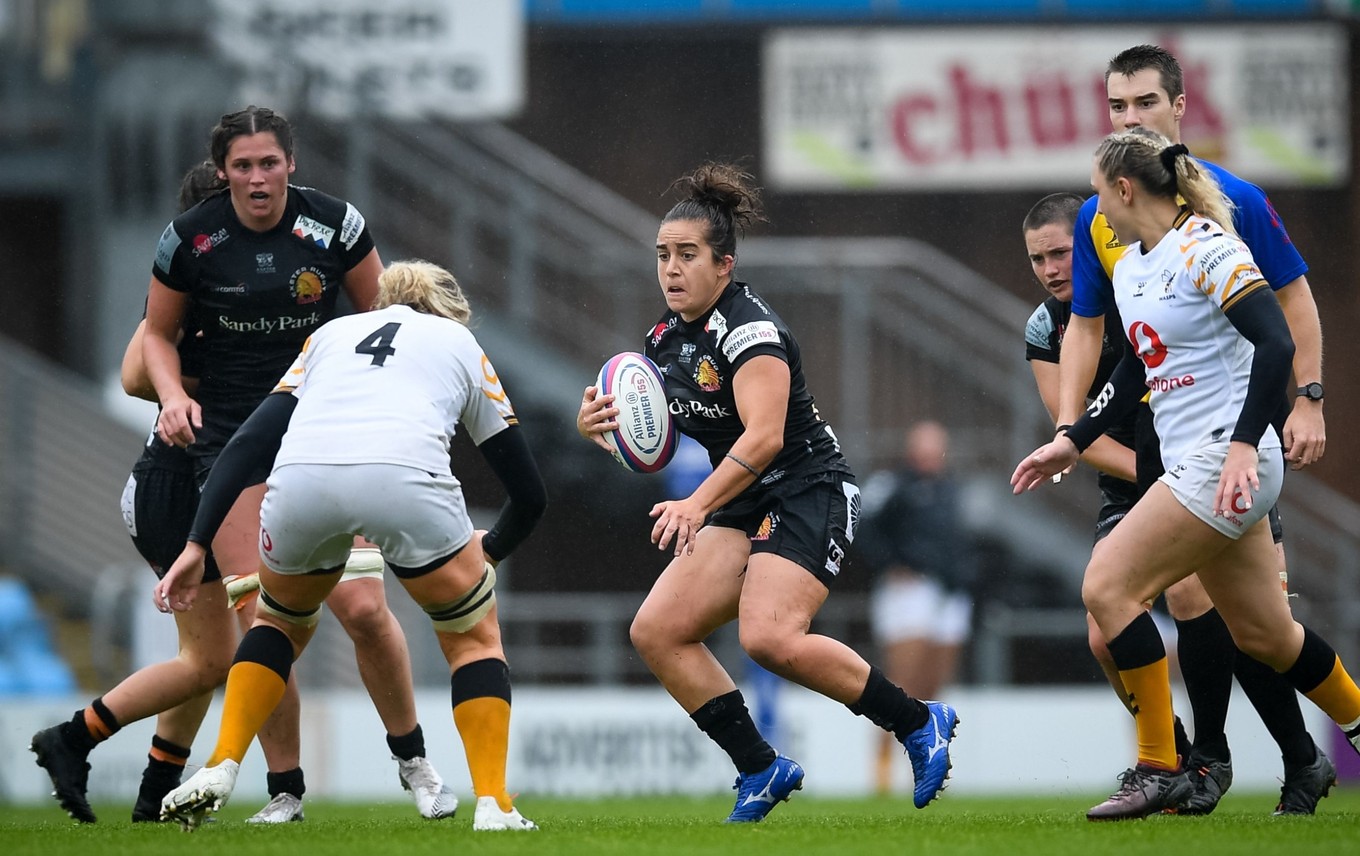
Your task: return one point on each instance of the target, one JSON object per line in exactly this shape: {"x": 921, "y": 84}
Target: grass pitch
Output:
{"x": 968, "y": 826}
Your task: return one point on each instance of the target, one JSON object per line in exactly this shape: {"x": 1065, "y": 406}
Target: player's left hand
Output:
{"x": 1043, "y": 463}
{"x": 680, "y": 519}
{"x": 1305, "y": 434}
{"x": 1239, "y": 480}
{"x": 176, "y": 591}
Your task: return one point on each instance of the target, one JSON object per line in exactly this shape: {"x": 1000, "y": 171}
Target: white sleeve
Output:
{"x": 487, "y": 410}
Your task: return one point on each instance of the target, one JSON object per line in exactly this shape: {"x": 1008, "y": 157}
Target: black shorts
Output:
{"x": 1148, "y": 450}
{"x": 159, "y": 503}
{"x": 809, "y": 520}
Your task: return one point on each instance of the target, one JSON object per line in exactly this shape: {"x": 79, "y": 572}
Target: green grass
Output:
{"x": 956, "y": 825}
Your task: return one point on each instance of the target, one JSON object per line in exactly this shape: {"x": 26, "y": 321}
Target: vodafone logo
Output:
{"x": 1239, "y": 503}
{"x": 265, "y": 541}
{"x": 1147, "y": 344}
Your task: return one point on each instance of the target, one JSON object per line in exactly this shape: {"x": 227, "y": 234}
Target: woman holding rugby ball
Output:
{"x": 761, "y": 538}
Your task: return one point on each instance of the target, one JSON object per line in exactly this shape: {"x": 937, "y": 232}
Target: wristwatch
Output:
{"x": 1311, "y": 391}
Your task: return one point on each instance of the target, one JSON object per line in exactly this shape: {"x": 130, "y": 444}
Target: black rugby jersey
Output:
{"x": 698, "y": 360}
{"x": 1043, "y": 342}
{"x": 257, "y": 296}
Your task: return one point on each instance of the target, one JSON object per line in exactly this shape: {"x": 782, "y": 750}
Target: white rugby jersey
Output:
{"x": 1172, "y": 299}
{"x": 390, "y": 387}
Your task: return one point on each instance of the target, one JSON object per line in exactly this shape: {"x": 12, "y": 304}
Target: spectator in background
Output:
{"x": 922, "y": 612}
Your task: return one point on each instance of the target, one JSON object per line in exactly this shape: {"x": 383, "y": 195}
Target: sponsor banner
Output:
{"x": 1024, "y": 107}
{"x": 404, "y": 59}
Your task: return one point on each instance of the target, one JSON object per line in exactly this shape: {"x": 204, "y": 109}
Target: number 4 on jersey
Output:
{"x": 378, "y": 344}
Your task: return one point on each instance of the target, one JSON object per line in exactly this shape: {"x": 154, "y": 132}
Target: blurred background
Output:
{"x": 527, "y": 146}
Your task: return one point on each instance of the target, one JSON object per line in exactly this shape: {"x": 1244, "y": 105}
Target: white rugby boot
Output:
{"x": 205, "y": 792}
{"x": 490, "y": 818}
{"x": 283, "y": 808}
{"x": 434, "y": 799}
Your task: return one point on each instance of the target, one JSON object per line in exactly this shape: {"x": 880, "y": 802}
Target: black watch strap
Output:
{"x": 1311, "y": 391}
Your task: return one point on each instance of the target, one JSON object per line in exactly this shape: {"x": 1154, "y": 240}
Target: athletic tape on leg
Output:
{"x": 462, "y": 615}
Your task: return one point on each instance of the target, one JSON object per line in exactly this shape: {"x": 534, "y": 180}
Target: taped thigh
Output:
{"x": 268, "y": 605}
{"x": 461, "y": 615}
{"x": 363, "y": 562}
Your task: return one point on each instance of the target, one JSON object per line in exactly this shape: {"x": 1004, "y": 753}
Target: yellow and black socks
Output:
{"x": 888, "y": 706}
{"x": 255, "y": 686}
{"x": 728, "y": 723}
{"x": 1319, "y": 675}
{"x": 480, "y": 693}
{"x": 90, "y": 727}
{"x": 1140, "y": 656}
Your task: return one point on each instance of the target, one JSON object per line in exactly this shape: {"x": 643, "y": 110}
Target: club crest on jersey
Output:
{"x": 307, "y": 285}
{"x": 264, "y": 262}
{"x": 706, "y": 375}
{"x": 309, "y": 230}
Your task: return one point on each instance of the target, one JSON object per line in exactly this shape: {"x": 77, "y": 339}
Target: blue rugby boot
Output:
{"x": 757, "y": 793}
{"x": 928, "y": 749}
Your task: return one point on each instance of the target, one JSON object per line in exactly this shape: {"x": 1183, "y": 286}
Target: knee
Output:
{"x": 646, "y": 634}
{"x": 768, "y": 648}
{"x": 1256, "y": 642}
{"x": 1187, "y": 599}
{"x": 1097, "y": 598}
{"x": 364, "y": 615}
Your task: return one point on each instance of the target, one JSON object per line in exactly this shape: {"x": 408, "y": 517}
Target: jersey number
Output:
{"x": 378, "y": 344}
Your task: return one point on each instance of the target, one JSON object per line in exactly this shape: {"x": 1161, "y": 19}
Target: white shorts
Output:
{"x": 311, "y": 513}
{"x": 913, "y": 607}
{"x": 1194, "y": 481}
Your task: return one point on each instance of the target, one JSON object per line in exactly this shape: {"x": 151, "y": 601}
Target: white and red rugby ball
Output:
{"x": 646, "y": 437}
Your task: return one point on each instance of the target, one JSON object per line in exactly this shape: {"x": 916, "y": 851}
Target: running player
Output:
{"x": 370, "y": 407}
{"x": 1146, "y": 88}
{"x": 762, "y": 538}
{"x": 1212, "y": 345}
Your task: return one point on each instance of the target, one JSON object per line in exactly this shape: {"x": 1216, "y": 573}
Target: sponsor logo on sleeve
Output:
{"x": 717, "y": 325}
{"x": 204, "y": 243}
{"x": 352, "y": 227}
{"x": 748, "y": 335}
{"x": 660, "y": 330}
{"x": 309, "y": 230}
{"x": 165, "y": 250}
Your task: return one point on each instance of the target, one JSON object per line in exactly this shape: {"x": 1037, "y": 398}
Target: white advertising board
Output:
{"x": 404, "y": 59}
{"x": 1063, "y": 741}
{"x": 1024, "y": 107}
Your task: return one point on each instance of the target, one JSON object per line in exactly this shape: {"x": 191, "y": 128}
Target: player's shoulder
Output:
{"x": 325, "y": 219}
{"x": 1243, "y": 193}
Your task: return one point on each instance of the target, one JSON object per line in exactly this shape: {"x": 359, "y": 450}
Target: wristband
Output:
{"x": 750, "y": 469}
{"x": 1062, "y": 429}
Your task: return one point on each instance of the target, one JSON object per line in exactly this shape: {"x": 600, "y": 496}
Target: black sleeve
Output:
{"x": 1121, "y": 393}
{"x": 509, "y": 457}
{"x": 256, "y": 442}
{"x": 1258, "y": 317}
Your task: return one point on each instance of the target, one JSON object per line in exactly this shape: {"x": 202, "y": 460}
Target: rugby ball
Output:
{"x": 646, "y": 437}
